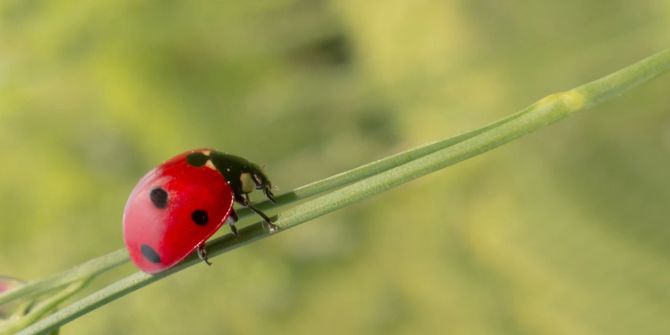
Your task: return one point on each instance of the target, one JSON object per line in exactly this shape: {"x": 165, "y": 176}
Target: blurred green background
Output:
{"x": 563, "y": 232}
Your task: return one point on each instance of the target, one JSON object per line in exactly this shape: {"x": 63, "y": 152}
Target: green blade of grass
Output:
{"x": 107, "y": 262}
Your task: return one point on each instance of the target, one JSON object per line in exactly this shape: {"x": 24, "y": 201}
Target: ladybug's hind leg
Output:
{"x": 202, "y": 253}
{"x": 231, "y": 221}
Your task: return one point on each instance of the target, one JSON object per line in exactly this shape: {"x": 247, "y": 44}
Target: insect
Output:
{"x": 178, "y": 205}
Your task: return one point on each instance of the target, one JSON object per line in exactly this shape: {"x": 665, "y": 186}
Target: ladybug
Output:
{"x": 178, "y": 205}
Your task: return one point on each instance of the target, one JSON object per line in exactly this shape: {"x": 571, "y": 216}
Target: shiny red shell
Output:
{"x": 161, "y": 228}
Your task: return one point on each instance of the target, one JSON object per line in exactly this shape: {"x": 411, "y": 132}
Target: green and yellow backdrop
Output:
{"x": 563, "y": 232}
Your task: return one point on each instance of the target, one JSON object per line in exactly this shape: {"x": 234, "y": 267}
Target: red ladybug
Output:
{"x": 178, "y": 205}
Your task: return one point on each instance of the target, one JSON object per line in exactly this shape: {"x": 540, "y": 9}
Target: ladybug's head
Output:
{"x": 252, "y": 177}
{"x": 242, "y": 175}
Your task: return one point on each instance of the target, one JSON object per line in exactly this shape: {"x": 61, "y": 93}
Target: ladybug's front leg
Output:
{"x": 202, "y": 253}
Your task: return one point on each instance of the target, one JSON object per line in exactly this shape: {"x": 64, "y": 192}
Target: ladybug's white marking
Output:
{"x": 206, "y": 152}
{"x": 247, "y": 181}
{"x": 210, "y": 165}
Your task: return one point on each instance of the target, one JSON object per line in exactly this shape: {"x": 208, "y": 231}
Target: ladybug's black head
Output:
{"x": 242, "y": 175}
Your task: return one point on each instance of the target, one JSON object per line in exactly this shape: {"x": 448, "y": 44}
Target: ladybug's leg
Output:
{"x": 231, "y": 220}
{"x": 264, "y": 184}
{"x": 202, "y": 253}
{"x": 267, "y": 189}
{"x": 246, "y": 202}
{"x": 269, "y": 194}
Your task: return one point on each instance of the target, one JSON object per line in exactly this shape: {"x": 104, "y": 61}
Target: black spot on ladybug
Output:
{"x": 150, "y": 254}
{"x": 197, "y": 159}
{"x": 199, "y": 217}
{"x": 159, "y": 197}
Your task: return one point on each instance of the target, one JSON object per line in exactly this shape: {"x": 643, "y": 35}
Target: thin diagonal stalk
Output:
{"x": 370, "y": 169}
{"x": 78, "y": 273}
{"x": 42, "y": 308}
{"x": 112, "y": 260}
{"x": 542, "y": 113}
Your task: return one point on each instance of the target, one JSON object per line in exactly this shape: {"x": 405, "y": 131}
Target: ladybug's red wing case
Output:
{"x": 173, "y": 209}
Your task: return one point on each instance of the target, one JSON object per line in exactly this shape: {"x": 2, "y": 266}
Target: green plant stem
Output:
{"x": 112, "y": 260}
{"x": 542, "y": 113}
{"x": 42, "y": 308}
{"x": 119, "y": 257}
{"x": 367, "y": 170}
{"x": 78, "y": 273}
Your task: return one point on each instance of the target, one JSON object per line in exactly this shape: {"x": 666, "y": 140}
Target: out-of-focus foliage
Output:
{"x": 563, "y": 232}
{"x": 10, "y": 309}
